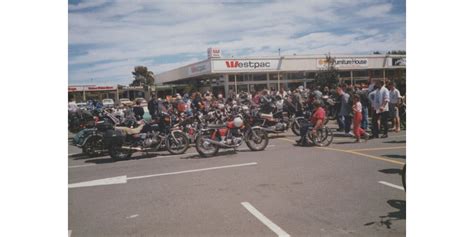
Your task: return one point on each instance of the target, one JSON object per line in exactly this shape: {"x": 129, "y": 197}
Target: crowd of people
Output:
{"x": 354, "y": 104}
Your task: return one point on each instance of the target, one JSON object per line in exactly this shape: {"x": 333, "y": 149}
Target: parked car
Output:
{"x": 126, "y": 101}
{"x": 143, "y": 103}
{"x": 108, "y": 102}
{"x": 81, "y": 105}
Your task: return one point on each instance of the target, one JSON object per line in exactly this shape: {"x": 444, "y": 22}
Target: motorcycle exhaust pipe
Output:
{"x": 133, "y": 148}
{"x": 220, "y": 144}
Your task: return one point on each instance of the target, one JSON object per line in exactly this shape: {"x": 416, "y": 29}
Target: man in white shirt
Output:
{"x": 380, "y": 98}
{"x": 395, "y": 99}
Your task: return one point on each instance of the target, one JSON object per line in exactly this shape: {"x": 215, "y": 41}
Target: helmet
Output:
{"x": 238, "y": 122}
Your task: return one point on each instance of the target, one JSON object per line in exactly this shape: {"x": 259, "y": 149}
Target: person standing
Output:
{"x": 357, "y": 109}
{"x": 345, "y": 110}
{"x": 138, "y": 110}
{"x": 380, "y": 102}
{"x": 364, "y": 100}
{"x": 395, "y": 99}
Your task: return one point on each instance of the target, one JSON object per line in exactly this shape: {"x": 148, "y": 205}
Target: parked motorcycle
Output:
{"x": 230, "y": 135}
{"x": 147, "y": 137}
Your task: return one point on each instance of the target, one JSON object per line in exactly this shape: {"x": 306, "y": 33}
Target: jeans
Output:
{"x": 365, "y": 118}
{"x": 344, "y": 122}
{"x": 304, "y": 128}
{"x": 383, "y": 123}
{"x": 340, "y": 122}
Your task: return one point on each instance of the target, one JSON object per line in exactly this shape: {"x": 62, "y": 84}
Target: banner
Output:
{"x": 199, "y": 68}
{"x": 344, "y": 62}
{"x": 244, "y": 65}
{"x": 399, "y": 61}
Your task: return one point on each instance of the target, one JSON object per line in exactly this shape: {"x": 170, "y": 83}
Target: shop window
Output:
{"x": 259, "y": 77}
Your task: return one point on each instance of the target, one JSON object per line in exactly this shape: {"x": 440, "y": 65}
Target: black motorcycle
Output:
{"x": 122, "y": 142}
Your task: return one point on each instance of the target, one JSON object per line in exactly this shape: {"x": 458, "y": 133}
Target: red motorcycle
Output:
{"x": 230, "y": 135}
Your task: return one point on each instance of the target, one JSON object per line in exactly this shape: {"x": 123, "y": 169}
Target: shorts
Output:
{"x": 393, "y": 111}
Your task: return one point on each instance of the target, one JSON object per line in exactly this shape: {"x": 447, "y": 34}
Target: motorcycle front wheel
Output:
{"x": 177, "y": 145}
{"x": 257, "y": 139}
{"x": 295, "y": 126}
{"x": 204, "y": 147}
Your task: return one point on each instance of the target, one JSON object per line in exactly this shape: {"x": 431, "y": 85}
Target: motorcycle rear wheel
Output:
{"x": 204, "y": 148}
{"x": 93, "y": 147}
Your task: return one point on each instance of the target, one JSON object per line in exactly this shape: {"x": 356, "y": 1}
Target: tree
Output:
{"x": 142, "y": 77}
{"x": 329, "y": 75}
{"x": 376, "y": 52}
{"x": 397, "y": 52}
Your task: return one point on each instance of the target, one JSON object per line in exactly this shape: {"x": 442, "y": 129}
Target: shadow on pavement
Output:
{"x": 349, "y": 142}
{"x": 391, "y": 171}
{"x": 399, "y": 214}
{"x": 396, "y": 142}
{"x": 396, "y": 156}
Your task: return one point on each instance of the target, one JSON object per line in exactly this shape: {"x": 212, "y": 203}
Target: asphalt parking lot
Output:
{"x": 345, "y": 189}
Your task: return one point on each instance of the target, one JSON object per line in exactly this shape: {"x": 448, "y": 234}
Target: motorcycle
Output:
{"x": 277, "y": 121}
{"x": 230, "y": 135}
{"x": 91, "y": 139}
{"x": 147, "y": 137}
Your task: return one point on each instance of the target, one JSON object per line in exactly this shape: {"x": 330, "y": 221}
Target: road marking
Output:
{"x": 78, "y": 166}
{"x": 192, "y": 171}
{"x": 380, "y": 148}
{"x": 123, "y": 179}
{"x": 279, "y": 231}
{"x": 132, "y": 216}
{"x": 355, "y": 153}
{"x": 73, "y": 154}
{"x": 392, "y": 185}
{"x": 100, "y": 182}
{"x": 69, "y": 234}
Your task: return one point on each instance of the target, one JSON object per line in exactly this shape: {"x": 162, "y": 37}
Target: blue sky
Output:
{"x": 108, "y": 38}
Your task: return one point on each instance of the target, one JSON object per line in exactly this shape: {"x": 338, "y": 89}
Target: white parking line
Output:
{"x": 191, "y": 171}
{"x": 279, "y": 231}
{"x": 77, "y": 166}
{"x": 69, "y": 234}
{"x": 123, "y": 179}
{"x": 392, "y": 185}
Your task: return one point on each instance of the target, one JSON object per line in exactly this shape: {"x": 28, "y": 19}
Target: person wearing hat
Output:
{"x": 317, "y": 122}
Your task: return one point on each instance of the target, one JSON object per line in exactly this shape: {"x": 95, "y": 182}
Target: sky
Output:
{"x": 108, "y": 38}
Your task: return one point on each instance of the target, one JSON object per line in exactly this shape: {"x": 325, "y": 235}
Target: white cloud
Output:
{"x": 375, "y": 10}
{"x": 87, "y": 4}
{"x": 127, "y": 33}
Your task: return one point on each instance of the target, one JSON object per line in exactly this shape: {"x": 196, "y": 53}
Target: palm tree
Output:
{"x": 142, "y": 77}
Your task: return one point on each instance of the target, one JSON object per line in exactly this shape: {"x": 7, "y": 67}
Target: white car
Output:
{"x": 108, "y": 102}
{"x": 126, "y": 101}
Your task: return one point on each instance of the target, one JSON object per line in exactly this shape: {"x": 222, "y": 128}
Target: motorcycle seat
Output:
{"x": 267, "y": 116}
{"x": 130, "y": 131}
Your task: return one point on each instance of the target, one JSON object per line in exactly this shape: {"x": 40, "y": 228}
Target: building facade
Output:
{"x": 228, "y": 75}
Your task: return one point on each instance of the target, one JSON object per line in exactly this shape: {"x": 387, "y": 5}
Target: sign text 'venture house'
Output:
{"x": 249, "y": 64}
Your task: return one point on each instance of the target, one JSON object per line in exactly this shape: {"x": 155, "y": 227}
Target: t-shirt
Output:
{"x": 358, "y": 107}
{"x": 380, "y": 96}
{"x": 319, "y": 114}
{"x": 345, "y": 106}
{"x": 395, "y": 96}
